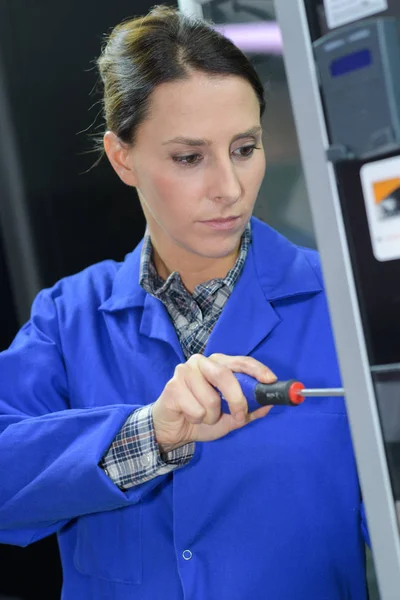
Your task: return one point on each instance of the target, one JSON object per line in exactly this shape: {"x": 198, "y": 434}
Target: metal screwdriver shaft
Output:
{"x": 315, "y": 392}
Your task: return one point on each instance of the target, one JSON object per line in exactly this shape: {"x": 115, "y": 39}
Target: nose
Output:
{"x": 224, "y": 185}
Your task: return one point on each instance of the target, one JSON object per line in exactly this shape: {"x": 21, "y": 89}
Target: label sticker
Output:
{"x": 340, "y": 12}
{"x": 381, "y": 188}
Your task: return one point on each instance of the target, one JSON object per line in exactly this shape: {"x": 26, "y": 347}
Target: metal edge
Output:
{"x": 342, "y": 298}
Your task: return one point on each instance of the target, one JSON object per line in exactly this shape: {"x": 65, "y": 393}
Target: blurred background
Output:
{"x": 56, "y": 217}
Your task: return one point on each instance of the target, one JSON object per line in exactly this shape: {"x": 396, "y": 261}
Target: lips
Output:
{"x": 220, "y": 220}
{"x": 221, "y": 224}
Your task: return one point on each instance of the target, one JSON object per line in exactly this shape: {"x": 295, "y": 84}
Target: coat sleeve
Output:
{"x": 49, "y": 453}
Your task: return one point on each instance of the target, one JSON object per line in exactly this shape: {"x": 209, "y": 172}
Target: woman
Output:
{"x": 109, "y": 406}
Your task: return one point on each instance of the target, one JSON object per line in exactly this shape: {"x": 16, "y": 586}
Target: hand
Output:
{"x": 189, "y": 408}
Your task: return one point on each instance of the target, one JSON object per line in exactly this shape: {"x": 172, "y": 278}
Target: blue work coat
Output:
{"x": 270, "y": 512}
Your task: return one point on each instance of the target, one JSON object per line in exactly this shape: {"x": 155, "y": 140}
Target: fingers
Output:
{"x": 203, "y": 392}
{"x": 246, "y": 364}
{"x": 222, "y": 378}
{"x": 189, "y": 408}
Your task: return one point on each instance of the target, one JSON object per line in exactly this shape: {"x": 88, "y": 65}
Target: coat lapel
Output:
{"x": 246, "y": 319}
{"x": 127, "y": 294}
{"x": 275, "y": 270}
{"x": 156, "y": 324}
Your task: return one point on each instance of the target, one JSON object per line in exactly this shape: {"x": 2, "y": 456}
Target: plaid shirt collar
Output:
{"x": 153, "y": 284}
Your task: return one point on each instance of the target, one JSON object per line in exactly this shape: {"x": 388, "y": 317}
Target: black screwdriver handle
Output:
{"x": 267, "y": 394}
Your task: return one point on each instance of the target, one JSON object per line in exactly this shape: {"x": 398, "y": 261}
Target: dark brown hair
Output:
{"x": 165, "y": 45}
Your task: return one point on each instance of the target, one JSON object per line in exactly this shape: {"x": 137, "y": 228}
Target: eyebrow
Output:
{"x": 198, "y": 142}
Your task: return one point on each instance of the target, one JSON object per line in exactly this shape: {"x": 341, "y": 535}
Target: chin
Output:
{"x": 218, "y": 248}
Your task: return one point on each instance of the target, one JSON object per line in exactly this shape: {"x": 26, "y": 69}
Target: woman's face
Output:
{"x": 198, "y": 160}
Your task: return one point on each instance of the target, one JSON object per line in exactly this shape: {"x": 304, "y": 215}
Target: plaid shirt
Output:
{"x": 134, "y": 456}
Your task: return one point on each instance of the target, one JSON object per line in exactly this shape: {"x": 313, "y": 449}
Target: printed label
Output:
{"x": 381, "y": 187}
{"x": 340, "y": 12}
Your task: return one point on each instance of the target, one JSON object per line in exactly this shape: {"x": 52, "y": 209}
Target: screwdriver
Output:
{"x": 289, "y": 393}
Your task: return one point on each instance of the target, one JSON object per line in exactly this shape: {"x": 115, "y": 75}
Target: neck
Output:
{"x": 193, "y": 269}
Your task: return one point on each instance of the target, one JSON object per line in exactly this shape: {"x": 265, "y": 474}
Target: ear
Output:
{"x": 119, "y": 155}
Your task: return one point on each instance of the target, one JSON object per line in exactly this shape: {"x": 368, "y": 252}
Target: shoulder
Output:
{"x": 71, "y": 301}
{"x": 93, "y": 284}
{"x": 75, "y": 296}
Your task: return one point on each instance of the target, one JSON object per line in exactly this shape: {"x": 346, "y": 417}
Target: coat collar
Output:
{"x": 126, "y": 291}
{"x": 281, "y": 268}
{"x": 275, "y": 269}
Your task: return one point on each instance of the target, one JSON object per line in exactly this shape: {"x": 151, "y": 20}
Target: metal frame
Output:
{"x": 191, "y": 8}
{"x": 342, "y": 298}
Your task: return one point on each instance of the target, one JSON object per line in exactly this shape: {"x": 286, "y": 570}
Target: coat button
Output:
{"x": 187, "y": 555}
{"x": 145, "y": 460}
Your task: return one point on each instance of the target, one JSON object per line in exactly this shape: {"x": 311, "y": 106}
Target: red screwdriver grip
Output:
{"x": 294, "y": 393}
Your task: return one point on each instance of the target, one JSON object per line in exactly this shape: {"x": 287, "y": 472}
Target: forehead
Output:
{"x": 201, "y": 105}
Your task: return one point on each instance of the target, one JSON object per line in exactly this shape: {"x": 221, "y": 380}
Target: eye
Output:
{"x": 189, "y": 160}
{"x": 245, "y": 151}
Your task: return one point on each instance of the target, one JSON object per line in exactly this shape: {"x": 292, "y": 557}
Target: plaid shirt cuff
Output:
{"x": 134, "y": 456}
